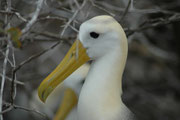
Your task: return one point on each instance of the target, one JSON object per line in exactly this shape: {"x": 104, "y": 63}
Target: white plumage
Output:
{"x": 100, "y": 97}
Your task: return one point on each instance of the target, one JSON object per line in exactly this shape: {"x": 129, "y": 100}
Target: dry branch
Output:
{"x": 17, "y": 14}
{"x": 101, "y": 8}
{"x": 53, "y": 36}
{"x": 8, "y": 7}
{"x": 3, "y": 79}
{"x": 34, "y": 18}
{"x": 126, "y": 10}
{"x": 16, "y": 81}
{"x": 73, "y": 17}
{"x": 11, "y": 107}
{"x": 51, "y": 18}
{"x": 35, "y": 56}
{"x": 31, "y": 110}
{"x": 160, "y": 22}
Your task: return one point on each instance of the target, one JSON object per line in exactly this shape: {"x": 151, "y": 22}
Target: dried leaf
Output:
{"x": 15, "y": 34}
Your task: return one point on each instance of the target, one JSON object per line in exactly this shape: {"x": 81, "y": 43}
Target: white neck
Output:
{"x": 101, "y": 92}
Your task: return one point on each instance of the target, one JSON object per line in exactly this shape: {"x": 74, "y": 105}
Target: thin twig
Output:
{"x": 34, "y": 18}
{"x": 10, "y": 79}
{"x": 14, "y": 106}
{"x": 152, "y": 11}
{"x": 47, "y": 34}
{"x": 155, "y": 51}
{"x": 41, "y": 40}
{"x": 13, "y": 84}
{"x": 160, "y": 22}
{"x": 17, "y": 14}
{"x": 3, "y": 78}
{"x": 35, "y": 56}
{"x": 77, "y": 4}
{"x": 53, "y": 36}
{"x": 8, "y": 2}
{"x": 7, "y": 58}
{"x": 101, "y": 8}
{"x": 73, "y": 28}
{"x": 139, "y": 11}
{"x": 73, "y": 17}
{"x": 31, "y": 110}
{"x": 125, "y": 11}
{"x": 6, "y": 110}
{"x": 51, "y": 18}
{"x": 69, "y": 22}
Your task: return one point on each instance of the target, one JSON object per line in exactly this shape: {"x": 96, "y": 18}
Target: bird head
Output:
{"x": 97, "y": 37}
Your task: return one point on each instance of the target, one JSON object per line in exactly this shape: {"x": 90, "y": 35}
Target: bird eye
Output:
{"x": 82, "y": 82}
{"x": 94, "y": 35}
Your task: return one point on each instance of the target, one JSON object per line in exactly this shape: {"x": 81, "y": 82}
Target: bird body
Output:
{"x": 100, "y": 97}
{"x": 102, "y": 40}
{"x": 101, "y": 93}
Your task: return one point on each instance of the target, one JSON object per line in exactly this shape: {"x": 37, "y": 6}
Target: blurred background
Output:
{"x": 36, "y": 34}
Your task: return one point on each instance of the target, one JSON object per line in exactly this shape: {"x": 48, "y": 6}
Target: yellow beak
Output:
{"x": 75, "y": 57}
{"x": 69, "y": 101}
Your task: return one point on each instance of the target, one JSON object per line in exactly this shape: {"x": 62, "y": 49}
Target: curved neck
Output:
{"x": 102, "y": 87}
{"x": 106, "y": 73}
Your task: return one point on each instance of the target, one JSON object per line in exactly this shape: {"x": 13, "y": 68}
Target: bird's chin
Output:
{"x": 90, "y": 54}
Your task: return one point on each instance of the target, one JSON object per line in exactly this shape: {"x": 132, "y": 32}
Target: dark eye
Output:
{"x": 94, "y": 35}
{"x": 82, "y": 82}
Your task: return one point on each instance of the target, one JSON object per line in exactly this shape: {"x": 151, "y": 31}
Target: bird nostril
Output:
{"x": 73, "y": 53}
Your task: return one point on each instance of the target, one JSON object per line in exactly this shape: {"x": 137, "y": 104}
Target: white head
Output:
{"x": 101, "y": 35}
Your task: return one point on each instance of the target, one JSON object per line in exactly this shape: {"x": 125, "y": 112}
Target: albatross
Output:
{"x": 102, "y": 40}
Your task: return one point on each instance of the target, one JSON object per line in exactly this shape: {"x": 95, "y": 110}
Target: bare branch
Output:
{"x": 77, "y": 4}
{"x": 51, "y": 18}
{"x": 160, "y": 22}
{"x": 3, "y": 78}
{"x": 35, "y": 56}
{"x": 139, "y": 11}
{"x": 10, "y": 79}
{"x": 155, "y": 51}
{"x": 6, "y": 110}
{"x": 34, "y": 18}
{"x": 17, "y": 14}
{"x": 109, "y": 6}
{"x": 41, "y": 40}
{"x": 73, "y": 17}
{"x": 5, "y": 59}
{"x": 11, "y": 107}
{"x": 101, "y": 8}
{"x": 47, "y": 34}
{"x": 50, "y": 35}
{"x": 69, "y": 22}
{"x": 73, "y": 28}
{"x": 14, "y": 78}
{"x": 126, "y": 10}
{"x": 31, "y": 110}
{"x": 150, "y": 11}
